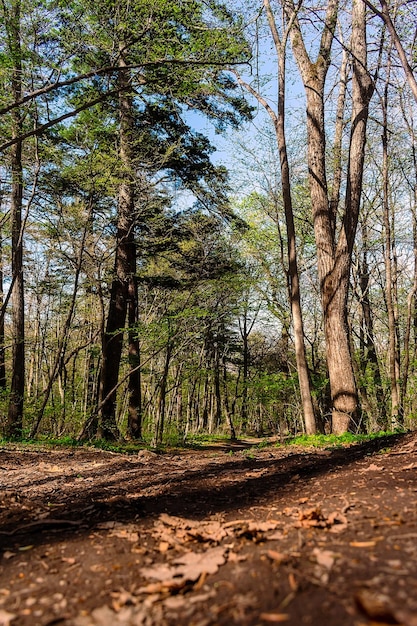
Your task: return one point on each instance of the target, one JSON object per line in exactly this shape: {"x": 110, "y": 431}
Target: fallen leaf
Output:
{"x": 101, "y": 616}
{"x": 175, "y": 602}
{"x": 325, "y": 558}
{"x": 274, "y": 617}
{"x": 336, "y": 518}
{"x": 233, "y": 557}
{"x": 373, "y": 468}
{"x": 152, "y": 588}
{"x": 163, "y": 546}
{"x": 177, "y": 529}
{"x": 192, "y": 564}
{"x": 252, "y": 529}
{"x": 337, "y": 522}
{"x": 6, "y": 617}
{"x": 362, "y": 544}
{"x": 277, "y": 556}
{"x": 275, "y": 536}
{"x": 375, "y": 606}
{"x": 186, "y": 568}
{"x": 160, "y": 572}
{"x": 311, "y": 518}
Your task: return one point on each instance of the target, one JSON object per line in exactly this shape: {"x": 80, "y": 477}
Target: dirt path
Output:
{"x": 244, "y": 536}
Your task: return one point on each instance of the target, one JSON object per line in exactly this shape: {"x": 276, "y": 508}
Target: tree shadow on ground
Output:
{"x": 128, "y": 492}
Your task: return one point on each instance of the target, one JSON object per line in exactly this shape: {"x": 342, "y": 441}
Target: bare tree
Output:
{"x": 385, "y": 14}
{"x": 335, "y": 238}
{"x": 278, "y": 120}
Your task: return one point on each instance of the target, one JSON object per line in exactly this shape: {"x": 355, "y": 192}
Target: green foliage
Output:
{"x": 322, "y": 441}
{"x": 200, "y": 440}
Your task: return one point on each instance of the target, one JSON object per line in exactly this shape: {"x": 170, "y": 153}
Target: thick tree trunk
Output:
{"x": 124, "y": 269}
{"x": 334, "y": 257}
{"x": 333, "y": 269}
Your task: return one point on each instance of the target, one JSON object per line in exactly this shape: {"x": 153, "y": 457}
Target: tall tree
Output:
{"x": 161, "y": 29}
{"x": 334, "y": 246}
{"x": 123, "y": 284}
{"x": 12, "y": 23}
{"x": 278, "y": 120}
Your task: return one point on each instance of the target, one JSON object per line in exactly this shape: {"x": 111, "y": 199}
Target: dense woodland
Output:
{"x": 149, "y": 293}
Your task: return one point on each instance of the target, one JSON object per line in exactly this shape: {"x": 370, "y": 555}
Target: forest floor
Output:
{"x": 233, "y": 534}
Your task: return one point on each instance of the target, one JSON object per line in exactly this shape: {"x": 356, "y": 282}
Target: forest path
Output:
{"x": 223, "y": 536}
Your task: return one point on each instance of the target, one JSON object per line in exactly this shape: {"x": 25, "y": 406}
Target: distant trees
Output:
{"x": 148, "y": 295}
{"x": 142, "y": 67}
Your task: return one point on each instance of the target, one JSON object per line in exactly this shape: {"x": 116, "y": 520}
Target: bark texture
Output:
{"x": 124, "y": 268}
{"x": 334, "y": 250}
{"x": 14, "y": 424}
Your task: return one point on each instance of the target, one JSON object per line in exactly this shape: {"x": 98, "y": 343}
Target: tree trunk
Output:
{"x": 124, "y": 268}
{"x": 278, "y": 120}
{"x": 335, "y": 257}
{"x": 134, "y": 425}
{"x": 411, "y": 297}
{"x": 390, "y": 278}
{"x": 3, "y": 381}
{"x": 160, "y": 418}
{"x": 14, "y": 426}
{"x": 369, "y": 354}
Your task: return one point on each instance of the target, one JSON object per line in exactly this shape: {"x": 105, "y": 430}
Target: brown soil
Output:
{"x": 234, "y": 535}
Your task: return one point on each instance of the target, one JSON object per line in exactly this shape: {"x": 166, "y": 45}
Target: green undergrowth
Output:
{"x": 195, "y": 442}
{"x": 346, "y": 439}
{"x": 125, "y": 447}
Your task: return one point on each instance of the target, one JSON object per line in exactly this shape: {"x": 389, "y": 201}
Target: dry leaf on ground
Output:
{"x": 187, "y": 568}
{"x": 6, "y": 617}
{"x": 376, "y": 606}
{"x": 325, "y": 558}
{"x": 275, "y": 618}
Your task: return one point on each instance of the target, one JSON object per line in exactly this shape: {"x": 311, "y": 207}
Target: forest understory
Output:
{"x": 228, "y": 534}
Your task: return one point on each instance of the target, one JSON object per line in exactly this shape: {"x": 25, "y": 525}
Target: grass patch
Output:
{"x": 200, "y": 440}
{"x": 336, "y": 441}
{"x": 42, "y": 442}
